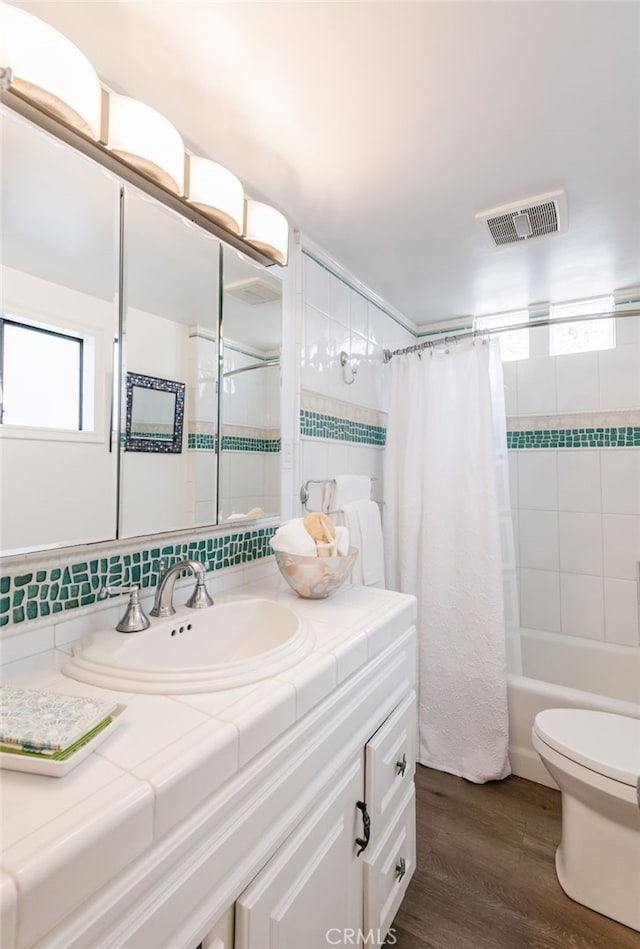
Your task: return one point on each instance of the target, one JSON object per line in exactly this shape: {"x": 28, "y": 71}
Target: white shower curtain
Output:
{"x": 442, "y": 543}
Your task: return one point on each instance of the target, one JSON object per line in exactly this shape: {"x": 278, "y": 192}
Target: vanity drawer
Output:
{"x": 390, "y": 762}
{"x": 221, "y": 936}
{"x": 389, "y": 868}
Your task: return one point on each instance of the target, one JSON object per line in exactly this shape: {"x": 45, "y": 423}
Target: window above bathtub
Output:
{"x": 584, "y": 336}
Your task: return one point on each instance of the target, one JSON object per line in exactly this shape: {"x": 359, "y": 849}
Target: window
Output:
{"x": 586, "y": 335}
{"x": 42, "y": 374}
{"x": 514, "y": 344}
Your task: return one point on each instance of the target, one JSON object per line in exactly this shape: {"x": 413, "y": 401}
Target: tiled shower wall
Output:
{"x": 574, "y": 436}
{"x": 343, "y": 414}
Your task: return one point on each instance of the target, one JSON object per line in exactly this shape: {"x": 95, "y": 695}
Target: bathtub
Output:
{"x": 549, "y": 670}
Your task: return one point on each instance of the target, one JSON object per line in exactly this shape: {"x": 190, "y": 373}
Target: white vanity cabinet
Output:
{"x": 333, "y": 877}
{"x": 268, "y": 855}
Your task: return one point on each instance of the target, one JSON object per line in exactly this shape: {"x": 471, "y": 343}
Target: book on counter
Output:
{"x": 48, "y": 728}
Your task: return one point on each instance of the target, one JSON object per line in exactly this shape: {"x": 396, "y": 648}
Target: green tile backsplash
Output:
{"x": 625, "y": 437}
{"x": 43, "y": 593}
{"x": 317, "y": 425}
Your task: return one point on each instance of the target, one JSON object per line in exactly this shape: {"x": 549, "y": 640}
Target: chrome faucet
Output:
{"x": 199, "y": 599}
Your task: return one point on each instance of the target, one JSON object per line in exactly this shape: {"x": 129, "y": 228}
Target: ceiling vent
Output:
{"x": 525, "y": 220}
{"x": 254, "y": 290}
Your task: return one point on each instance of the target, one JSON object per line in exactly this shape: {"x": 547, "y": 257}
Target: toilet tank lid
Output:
{"x": 600, "y": 741}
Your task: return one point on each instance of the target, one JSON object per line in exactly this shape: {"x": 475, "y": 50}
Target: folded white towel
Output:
{"x": 349, "y": 488}
{"x": 293, "y": 538}
{"x": 362, "y": 518}
{"x": 342, "y": 540}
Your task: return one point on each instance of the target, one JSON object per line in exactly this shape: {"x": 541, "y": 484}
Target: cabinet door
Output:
{"x": 311, "y": 889}
{"x": 388, "y": 868}
{"x": 390, "y": 763}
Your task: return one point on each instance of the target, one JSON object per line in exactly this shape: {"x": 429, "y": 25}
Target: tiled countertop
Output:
{"x": 64, "y": 838}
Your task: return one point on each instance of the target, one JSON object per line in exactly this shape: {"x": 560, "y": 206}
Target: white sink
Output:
{"x": 225, "y": 646}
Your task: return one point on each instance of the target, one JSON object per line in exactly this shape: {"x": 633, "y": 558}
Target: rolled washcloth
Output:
{"x": 293, "y": 538}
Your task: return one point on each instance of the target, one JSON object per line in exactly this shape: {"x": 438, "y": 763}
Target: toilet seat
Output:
{"x": 600, "y": 741}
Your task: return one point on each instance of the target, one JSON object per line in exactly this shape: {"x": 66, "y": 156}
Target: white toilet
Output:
{"x": 594, "y": 757}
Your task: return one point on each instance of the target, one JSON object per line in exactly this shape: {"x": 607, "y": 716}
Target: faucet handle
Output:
{"x": 134, "y": 619}
{"x": 200, "y": 598}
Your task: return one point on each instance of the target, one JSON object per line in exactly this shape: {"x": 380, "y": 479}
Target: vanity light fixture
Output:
{"x": 144, "y": 139}
{"x": 48, "y": 69}
{"x": 267, "y": 229}
{"x": 43, "y": 67}
{"x": 216, "y": 192}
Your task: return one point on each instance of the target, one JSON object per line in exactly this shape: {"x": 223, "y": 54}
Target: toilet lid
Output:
{"x": 600, "y": 741}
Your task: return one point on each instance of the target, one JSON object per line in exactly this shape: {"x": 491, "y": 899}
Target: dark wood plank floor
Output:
{"x": 485, "y": 875}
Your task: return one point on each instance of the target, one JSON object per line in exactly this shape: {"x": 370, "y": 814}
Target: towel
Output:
{"x": 342, "y": 540}
{"x": 362, "y": 519}
{"x": 46, "y": 722}
{"x": 348, "y": 488}
{"x": 293, "y": 538}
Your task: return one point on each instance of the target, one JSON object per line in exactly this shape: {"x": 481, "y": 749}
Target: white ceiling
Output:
{"x": 380, "y": 129}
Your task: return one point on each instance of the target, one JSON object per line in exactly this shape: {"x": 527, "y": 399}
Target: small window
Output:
{"x": 583, "y": 336}
{"x": 41, "y": 377}
{"x": 513, "y": 345}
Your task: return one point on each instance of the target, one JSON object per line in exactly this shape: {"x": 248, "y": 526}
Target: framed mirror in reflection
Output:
{"x": 154, "y": 414}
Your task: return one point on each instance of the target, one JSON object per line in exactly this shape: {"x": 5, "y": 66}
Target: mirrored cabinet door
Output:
{"x": 58, "y": 326}
{"x": 250, "y": 402}
{"x": 170, "y": 358}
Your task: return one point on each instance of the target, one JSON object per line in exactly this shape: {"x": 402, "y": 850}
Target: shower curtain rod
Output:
{"x": 254, "y": 365}
{"x": 529, "y": 324}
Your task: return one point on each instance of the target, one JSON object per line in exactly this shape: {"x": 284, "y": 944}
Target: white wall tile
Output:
{"x": 539, "y": 540}
{"x": 318, "y": 351}
{"x": 620, "y": 377}
{"x": 621, "y": 612}
{"x": 579, "y": 481}
{"x": 621, "y": 481}
{"x": 537, "y": 480}
{"x": 540, "y": 599}
{"x": 536, "y": 386}
{"x": 627, "y": 330}
{"x": 513, "y": 457}
{"x": 580, "y": 543}
{"x": 316, "y": 284}
{"x": 621, "y": 535}
{"x": 339, "y": 301}
{"x": 359, "y": 318}
{"x": 582, "y": 605}
{"x": 510, "y": 376}
{"x": 577, "y": 382}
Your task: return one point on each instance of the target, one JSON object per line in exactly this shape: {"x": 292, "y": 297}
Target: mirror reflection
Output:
{"x": 250, "y": 403}
{"x": 171, "y": 334}
{"x": 58, "y": 325}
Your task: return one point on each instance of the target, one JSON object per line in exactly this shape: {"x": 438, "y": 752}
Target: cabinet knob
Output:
{"x": 401, "y": 869}
{"x": 402, "y": 765}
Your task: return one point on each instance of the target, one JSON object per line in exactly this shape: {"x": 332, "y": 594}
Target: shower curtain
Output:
{"x": 442, "y": 543}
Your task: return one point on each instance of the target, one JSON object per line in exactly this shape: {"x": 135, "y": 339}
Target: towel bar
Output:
{"x": 304, "y": 494}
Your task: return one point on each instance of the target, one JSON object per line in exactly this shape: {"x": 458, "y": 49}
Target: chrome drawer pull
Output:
{"x": 401, "y": 869}
{"x": 363, "y": 842}
{"x": 402, "y": 765}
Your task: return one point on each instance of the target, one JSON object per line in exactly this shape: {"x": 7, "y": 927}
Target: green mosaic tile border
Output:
{"x": 48, "y": 593}
{"x": 628, "y": 437}
{"x": 317, "y": 425}
{"x": 241, "y": 443}
{"x": 201, "y": 441}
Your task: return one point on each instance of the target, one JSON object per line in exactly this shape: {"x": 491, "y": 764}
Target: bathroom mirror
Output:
{"x": 250, "y": 390}
{"x": 154, "y": 414}
{"x": 171, "y": 295}
{"x": 59, "y": 285}
{"x": 80, "y": 248}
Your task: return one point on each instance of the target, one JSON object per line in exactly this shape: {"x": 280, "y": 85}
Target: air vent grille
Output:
{"x": 525, "y": 220}
{"x": 254, "y": 290}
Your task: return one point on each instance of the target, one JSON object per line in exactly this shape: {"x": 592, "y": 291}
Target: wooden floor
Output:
{"x": 485, "y": 876}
